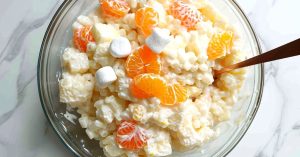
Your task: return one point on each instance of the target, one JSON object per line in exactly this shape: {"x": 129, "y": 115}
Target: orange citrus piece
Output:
{"x": 145, "y": 19}
{"x": 151, "y": 84}
{"x": 180, "y": 92}
{"x": 130, "y": 136}
{"x": 220, "y": 45}
{"x": 81, "y": 38}
{"x": 168, "y": 98}
{"x": 186, "y": 13}
{"x": 155, "y": 85}
{"x": 114, "y": 8}
{"x": 136, "y": 92}
{"x": 134, "y": 65}
{"x": 142, "y": 61}
{"x": 176, "y": 94}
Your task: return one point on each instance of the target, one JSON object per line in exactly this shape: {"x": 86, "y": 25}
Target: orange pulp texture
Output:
{"x": 146, "y": 18}
{"x": 81, "y": 38}
{"x": 186, "y": 13}
{"x": 114, "y": 8}
{"x": 157, "y": 86}
{"x": 220, "y": 45}
{"x": 136, "y": 92}
{"x": 142, "y": 61}
{"x": 130, "y": 136}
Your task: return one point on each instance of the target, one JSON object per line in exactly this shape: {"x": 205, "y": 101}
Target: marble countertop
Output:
{"x": 24, "y": 130}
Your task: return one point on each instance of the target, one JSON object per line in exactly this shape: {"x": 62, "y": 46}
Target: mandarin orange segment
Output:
{"x": 147, "y": 55}
{"x": 220, "y": 45}
{"x": 186, "y": 13}
{"x": 153, "y": 67}
{"x": 145, "y": 19}
{"x": 157, "y": 86}
{"x": 130, "y": 136}
{"x": 134, "y": 65}
{"x": 180, "y": 92}
{"x": 142, "y": 61}
{"x": 168, "y": 98}
{"x": 136, "y": 92}
{"x": 81, "y": 38}
{"x": 114, "y": 8}
{"x": 176, "y": 94}
{"x": 151, "y": 60}
{"x": 151, "y": 84}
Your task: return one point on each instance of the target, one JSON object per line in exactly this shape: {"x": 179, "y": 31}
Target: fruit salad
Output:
{"x": 141, "y": 75}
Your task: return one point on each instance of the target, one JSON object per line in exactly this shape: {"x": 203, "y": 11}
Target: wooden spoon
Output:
{"x": 288, "y": 50}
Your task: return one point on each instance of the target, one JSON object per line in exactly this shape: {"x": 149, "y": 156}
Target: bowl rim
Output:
{"x": 51, "y": 27}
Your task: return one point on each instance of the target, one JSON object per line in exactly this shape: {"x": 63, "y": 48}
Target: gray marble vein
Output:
{"x": 296, "y": 126}
{"x": 16, "y": 46}
{"x": 16, "y": 41}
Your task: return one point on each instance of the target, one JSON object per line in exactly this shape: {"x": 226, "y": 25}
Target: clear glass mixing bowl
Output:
{"x": 73, "y": 136}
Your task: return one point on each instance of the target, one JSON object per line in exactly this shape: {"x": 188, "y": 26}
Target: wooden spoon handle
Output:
{"x": 288, "y": 50}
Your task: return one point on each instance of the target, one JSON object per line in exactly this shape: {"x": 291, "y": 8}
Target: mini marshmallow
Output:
{"x": 158, "y": 40}
{"x": 120, "y": 47}
{"x": 105, "y": 76}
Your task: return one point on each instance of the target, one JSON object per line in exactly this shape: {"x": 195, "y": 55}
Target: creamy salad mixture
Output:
{"x": 141, "y": 75}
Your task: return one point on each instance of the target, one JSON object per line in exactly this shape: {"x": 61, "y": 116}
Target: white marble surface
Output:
{"x": 24, "y": 130}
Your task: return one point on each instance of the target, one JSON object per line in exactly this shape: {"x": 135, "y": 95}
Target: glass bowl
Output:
{"x": 74, "y": 137}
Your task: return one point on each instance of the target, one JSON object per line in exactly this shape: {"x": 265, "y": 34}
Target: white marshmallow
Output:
{"x": 105, "y": 76}
{"x": 120, "y": 47}
{"x": 158, "y": 40}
